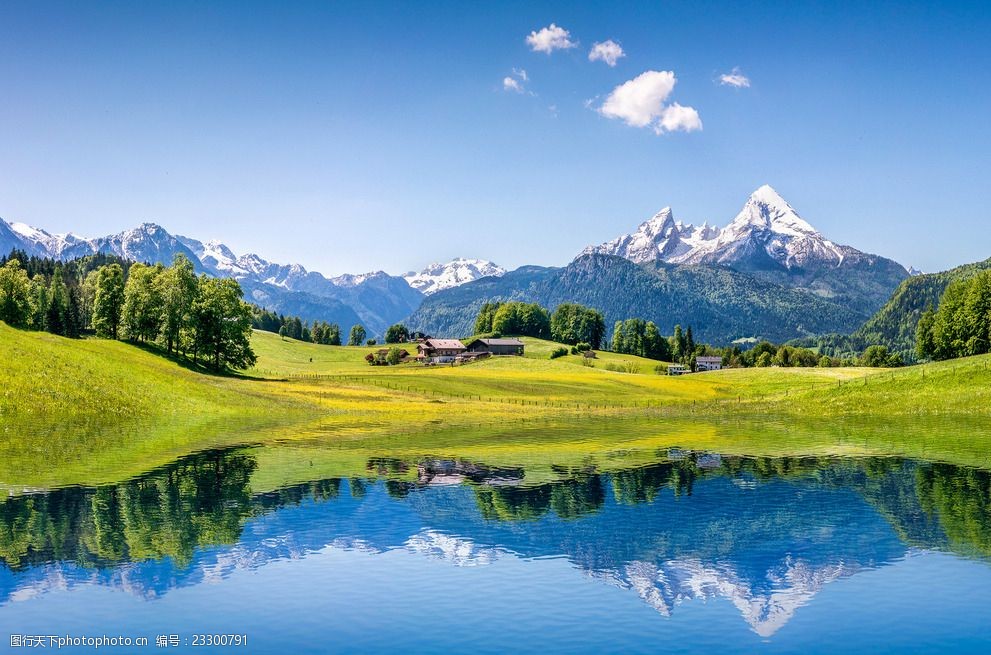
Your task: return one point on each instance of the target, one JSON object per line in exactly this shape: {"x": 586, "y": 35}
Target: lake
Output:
{"x": 659, "y": 549}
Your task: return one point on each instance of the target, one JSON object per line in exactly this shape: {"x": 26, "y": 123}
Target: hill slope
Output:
{"x": 895, "y": 323}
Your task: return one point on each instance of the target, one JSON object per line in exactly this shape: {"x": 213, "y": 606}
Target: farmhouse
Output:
{"x": 708, "y": 363}
{"x": 496, "y": 346}
{"x": 677, "y": 369}
{"x": 440, "y": 350}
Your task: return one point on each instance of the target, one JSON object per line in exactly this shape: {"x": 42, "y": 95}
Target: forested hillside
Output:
{"x": 722, "y": 304}
{"x": 895, "y": 324}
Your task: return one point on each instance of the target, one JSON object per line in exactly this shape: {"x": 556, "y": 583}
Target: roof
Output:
{"x": 444, "y": 344}
{"x": 709, "y": 359}
{"x": 500, "y": 342}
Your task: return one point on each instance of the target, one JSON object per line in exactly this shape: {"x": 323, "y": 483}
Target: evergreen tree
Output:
{"x": 109, "y": 301}
{"x": 58, "y": 304}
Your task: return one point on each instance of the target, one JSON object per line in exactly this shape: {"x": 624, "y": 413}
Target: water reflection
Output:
{"x": 764, "y": 533}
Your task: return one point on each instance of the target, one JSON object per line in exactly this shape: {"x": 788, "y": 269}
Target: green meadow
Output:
{"x": 94, "y": 411}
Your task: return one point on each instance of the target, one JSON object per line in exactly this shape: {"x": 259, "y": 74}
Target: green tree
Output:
{"x": 483, "y": 322}
{"x": 16, "y": 307}
{"x": 875, "y": 356}
{"x": 108, "y": 302}
{"x": 141, "y": 316}
{"x": 221, "y": 323}
{"x": 394, "y": 356}
{"x": 357, "y": 335}
{"x": 58, "y": 303}
{"x": 397, "y": 333}
{"x": 176, "y": 288}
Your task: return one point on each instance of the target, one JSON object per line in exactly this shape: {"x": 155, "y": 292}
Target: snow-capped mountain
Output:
{"x": 456, "y": 272}
{"x": 660, "y": 237}
{"x": 770, "y": 240}
{"x": 767, "y": 233}
{"x": 376, "y": 300}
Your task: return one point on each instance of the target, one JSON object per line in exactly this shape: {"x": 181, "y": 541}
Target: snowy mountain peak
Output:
{"x": 659, "y": 237}
{"x": 458, "y": 271}
{"x": 768, "y": 210}
{"x": 767, "y": 232}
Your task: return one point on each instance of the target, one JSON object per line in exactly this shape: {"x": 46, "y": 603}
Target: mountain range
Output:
{"x": 376, "y": 300}
{"x": 768, "y": 273}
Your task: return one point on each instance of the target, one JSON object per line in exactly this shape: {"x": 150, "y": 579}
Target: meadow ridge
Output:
{"x": 93, "y": 410}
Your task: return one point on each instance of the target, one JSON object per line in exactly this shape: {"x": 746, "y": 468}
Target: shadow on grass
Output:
{"x": 196, "y": 367}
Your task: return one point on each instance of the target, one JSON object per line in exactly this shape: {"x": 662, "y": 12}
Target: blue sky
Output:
{"x": 363, "y": 136}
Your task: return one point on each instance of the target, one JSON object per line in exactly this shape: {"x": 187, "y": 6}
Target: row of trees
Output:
{"x": 321, "y": 332}
{"x": 201, "y": 317}
{"x": 44, "y": 294}
{"x": 634, "y": 336}
{"x": 962, "y": 324}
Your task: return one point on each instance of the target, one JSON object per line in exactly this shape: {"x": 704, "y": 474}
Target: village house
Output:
{"x": 440, "y": 350}
{"x": 708, "y": 363}
{"x": 496, "y": 346}
{"x": 677, "y": 369}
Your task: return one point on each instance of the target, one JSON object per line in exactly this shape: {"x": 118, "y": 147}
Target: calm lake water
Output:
{"x": 688, "y": 552}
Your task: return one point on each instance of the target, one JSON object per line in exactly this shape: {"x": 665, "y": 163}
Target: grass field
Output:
{"x": 92, "y": 411}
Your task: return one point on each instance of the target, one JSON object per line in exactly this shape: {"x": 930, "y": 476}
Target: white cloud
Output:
{"x": 640, "y": 102}
{"x": 549, "y": 39}
{"x": 509, "y": 84}
{"x": 676, "y": 118}
{"x": 520, "y": 73}
{"x": 607, "y": 51}
{"x": 735, "y": 79}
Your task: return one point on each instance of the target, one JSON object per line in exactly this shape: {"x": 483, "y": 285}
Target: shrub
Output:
{"x": 559, "y": 352}
{"x": 371, "y": 342}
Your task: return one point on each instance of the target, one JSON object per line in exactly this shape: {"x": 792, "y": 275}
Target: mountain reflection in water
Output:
{"x": 766, "y": 534}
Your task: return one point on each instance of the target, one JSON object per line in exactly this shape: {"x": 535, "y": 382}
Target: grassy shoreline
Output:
{"x": 94, "y": 411}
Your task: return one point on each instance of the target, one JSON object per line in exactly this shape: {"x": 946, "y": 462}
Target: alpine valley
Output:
{"x": 768, "y": 273}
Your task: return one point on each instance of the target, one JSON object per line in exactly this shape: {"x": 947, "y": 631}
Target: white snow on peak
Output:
{"x": 660, "y": 237}
{"x": 767, "y": 209}
{"x": 766, "y": 226}
{"x": 456, "y": 272}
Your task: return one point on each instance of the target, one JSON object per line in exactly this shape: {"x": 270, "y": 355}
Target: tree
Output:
{"x": 572, "y": 323}
{"x": 961, "y": 325}
{"x": 483, "y": 322}
{"x": 679, "y": 346}
{"x": 925, "y": 344}
{"x": 108, "y": 301}
{"x": 357, "y": 335}
{"x": 58, "y": 303}
{"x": 394, "y": 356}
{"x": 141, "y": 316}
{"x": 397, "y": 333}
{"x": 282, "y": 331}
{"x": 176, "y": 287}
{"x": 221, "y": 323}
{"x": 522, "y": 319}
{"x": 875, "y": 357}
{"x": 15, "y": 295}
